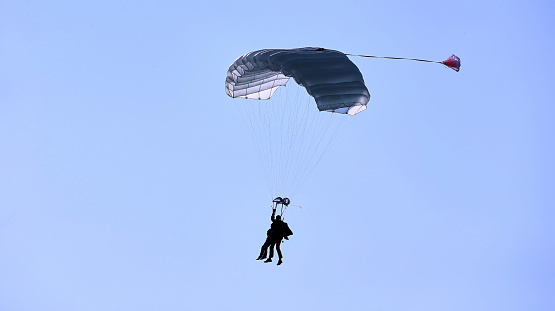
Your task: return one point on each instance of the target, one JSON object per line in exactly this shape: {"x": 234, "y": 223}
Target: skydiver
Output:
{"x": 278, "y": 230}
{"x": 269, "y": 237}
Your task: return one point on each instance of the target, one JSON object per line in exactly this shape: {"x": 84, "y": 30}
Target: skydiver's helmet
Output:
{"x": 278, "y": 217}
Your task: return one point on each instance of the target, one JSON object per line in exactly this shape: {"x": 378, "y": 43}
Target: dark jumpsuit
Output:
{"x": 273, "y": 238}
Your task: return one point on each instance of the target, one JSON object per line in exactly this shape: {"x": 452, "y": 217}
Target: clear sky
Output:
{"x": 129, "y": 182}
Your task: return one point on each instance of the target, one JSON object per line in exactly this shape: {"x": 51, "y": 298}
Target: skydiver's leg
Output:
{"x": 271, "y": 252}
{"x": 264, "y": 250}
{"x": 278, "y": 249}
{"x": 265, "y": 253}
{"x": 261, "y": 252}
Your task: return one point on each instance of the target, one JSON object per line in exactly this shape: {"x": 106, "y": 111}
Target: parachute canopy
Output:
{"x": 327, "y": 75}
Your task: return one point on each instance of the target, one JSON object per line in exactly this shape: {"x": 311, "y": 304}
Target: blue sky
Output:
{"x": 129, "y": 182}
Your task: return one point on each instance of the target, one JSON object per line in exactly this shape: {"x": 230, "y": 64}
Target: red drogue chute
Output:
{"x": 453, "y": 62}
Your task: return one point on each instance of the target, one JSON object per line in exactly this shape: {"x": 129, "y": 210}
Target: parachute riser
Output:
{"x": 282, "y": 203}
{"x": 282, "y": 209}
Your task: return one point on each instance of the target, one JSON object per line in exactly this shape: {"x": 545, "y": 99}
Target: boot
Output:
{"x": 279, "y": 262}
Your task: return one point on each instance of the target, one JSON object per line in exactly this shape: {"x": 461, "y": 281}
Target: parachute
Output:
{"x": 290, "y": 132}
{"x": 453, "y": 62}
{"x": 329, "y": 76}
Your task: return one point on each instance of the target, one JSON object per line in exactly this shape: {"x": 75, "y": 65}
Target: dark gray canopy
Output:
{"x": 327, "y": 75}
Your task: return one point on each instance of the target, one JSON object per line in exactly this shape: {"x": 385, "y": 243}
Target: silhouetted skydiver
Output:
{"x": 278, "y": 230}
{"x": 269, "y": 238}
